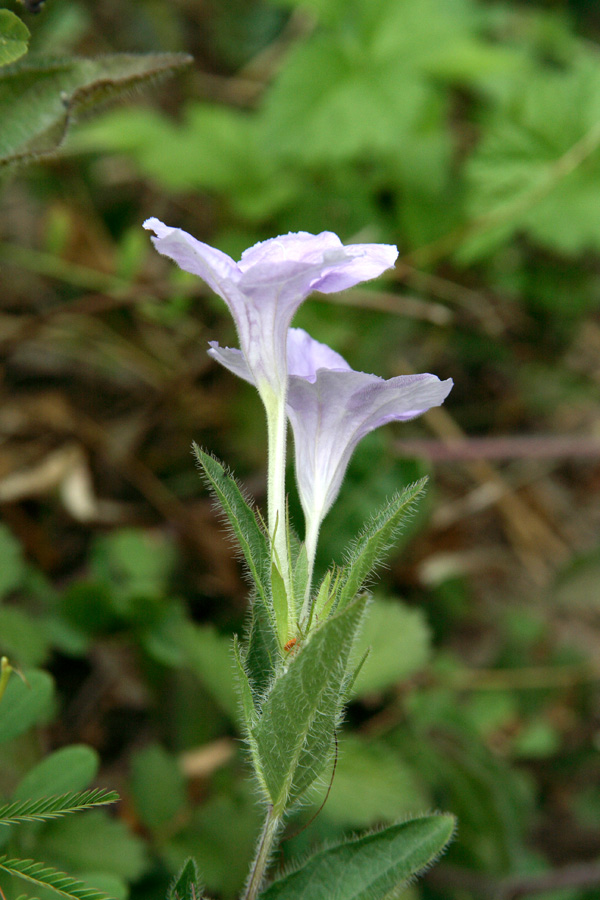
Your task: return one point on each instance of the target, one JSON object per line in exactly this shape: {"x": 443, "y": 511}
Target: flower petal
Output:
{"x": 305, "y": 355}
{"x": 331, "y": 414}
{"x": 232, "y": 359}
{"x": 217, "y": 269}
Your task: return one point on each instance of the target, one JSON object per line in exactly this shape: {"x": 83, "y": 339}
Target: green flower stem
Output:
{"x": 277, "y": 519}
{"x": 257, "y": 872}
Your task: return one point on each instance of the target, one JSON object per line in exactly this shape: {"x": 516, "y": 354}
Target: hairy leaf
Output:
{"x": 186, "y": 885}
{"x": 366, "y": 552}
{"x": 39, "y": 98}
{"x": 250, "y": 537}
{"x": 263, "y": 648}
{"x": 369, "y": 867}
{"x": 295, "y": 732}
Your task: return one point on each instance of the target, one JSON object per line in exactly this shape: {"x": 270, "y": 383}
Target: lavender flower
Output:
{"x": 263, "y": 291}
{"x": 331, "y": 408}
{"x": 266, "y": 287}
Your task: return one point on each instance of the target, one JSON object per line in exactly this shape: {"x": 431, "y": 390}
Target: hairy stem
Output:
{"x": 265, "y": 845}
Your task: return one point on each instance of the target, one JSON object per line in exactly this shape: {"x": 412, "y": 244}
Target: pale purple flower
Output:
{"x": 266, "y": 287}
{"x": 331, "y": 408}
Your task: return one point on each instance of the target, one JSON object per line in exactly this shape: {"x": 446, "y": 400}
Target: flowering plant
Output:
{"x": 296, "y": 665}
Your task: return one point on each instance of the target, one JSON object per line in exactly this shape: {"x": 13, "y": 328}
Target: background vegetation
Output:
{"x": 466, "y": 132}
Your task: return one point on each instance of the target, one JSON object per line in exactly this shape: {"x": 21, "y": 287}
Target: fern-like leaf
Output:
{"x": 41, "y": 875}
{"x": 54, "y": 807}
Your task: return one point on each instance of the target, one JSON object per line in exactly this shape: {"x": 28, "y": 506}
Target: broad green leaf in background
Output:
{"x": 293, "y": 738}
{"x": 208, "y": 655}
{"x": 158, "y": 786}
{"x": 93, "y": 842}
{"x": 25, "y": 703}
{"x": 372, "y": 784}
{"x": 14, "y": 37}
{"x": 138, "y": 562}
{"x": 221, "y": 835}
{"x": 39, "y": 97}
{"x": 374, "y": 62}
{"x": 71, "y": 768}
{"x": 22, "y": 638}
{"x": 537, "y": 168}
{"x": 368, "y": 868}
{"x": 399, "y": 641}
{"x": 212, "y": 148}
{"x": 491, "y": 801}
{"x": 12, "y": 564}
{"x": 367, "y": 552}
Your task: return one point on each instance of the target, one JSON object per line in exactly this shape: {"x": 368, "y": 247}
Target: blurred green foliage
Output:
{"x": 468, "y": 133}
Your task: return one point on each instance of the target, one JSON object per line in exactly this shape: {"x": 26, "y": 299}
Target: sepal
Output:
{"x": 186, "y": 885}
{"x": 250, "y": 537}
{"x": 366, "y": 552}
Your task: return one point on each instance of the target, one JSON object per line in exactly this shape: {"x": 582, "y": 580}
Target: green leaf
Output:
{"x": 38, "y": 810}
{"x": 40, "y": 97}
{"x": 43, "y": 876}
{"x": 208, "y": 655}
{"x": 158, "y": 786}
{"x": 216, "y": 148}
{"x": 22, "y": 638}
{"x": 293, "y": 739}
{"x": 537, "y": 167}
{"x": 138, "y": 562}
{"x": 372, "y": 784}
{"x": 12, "y": 564}
{"x": 93, "y": 842}
{"x": 186, "y": 885}
{"x": 367, "y": 551}
{"x": 370, "y": 867}
{"x": 14, "y": 37}
{"x": 400, "y": 644}
{"x": 68, "y": 769}
{"x": 250, "y": 537}
{"x": 221, "y": 835}
{"x": 25, "y": 704}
